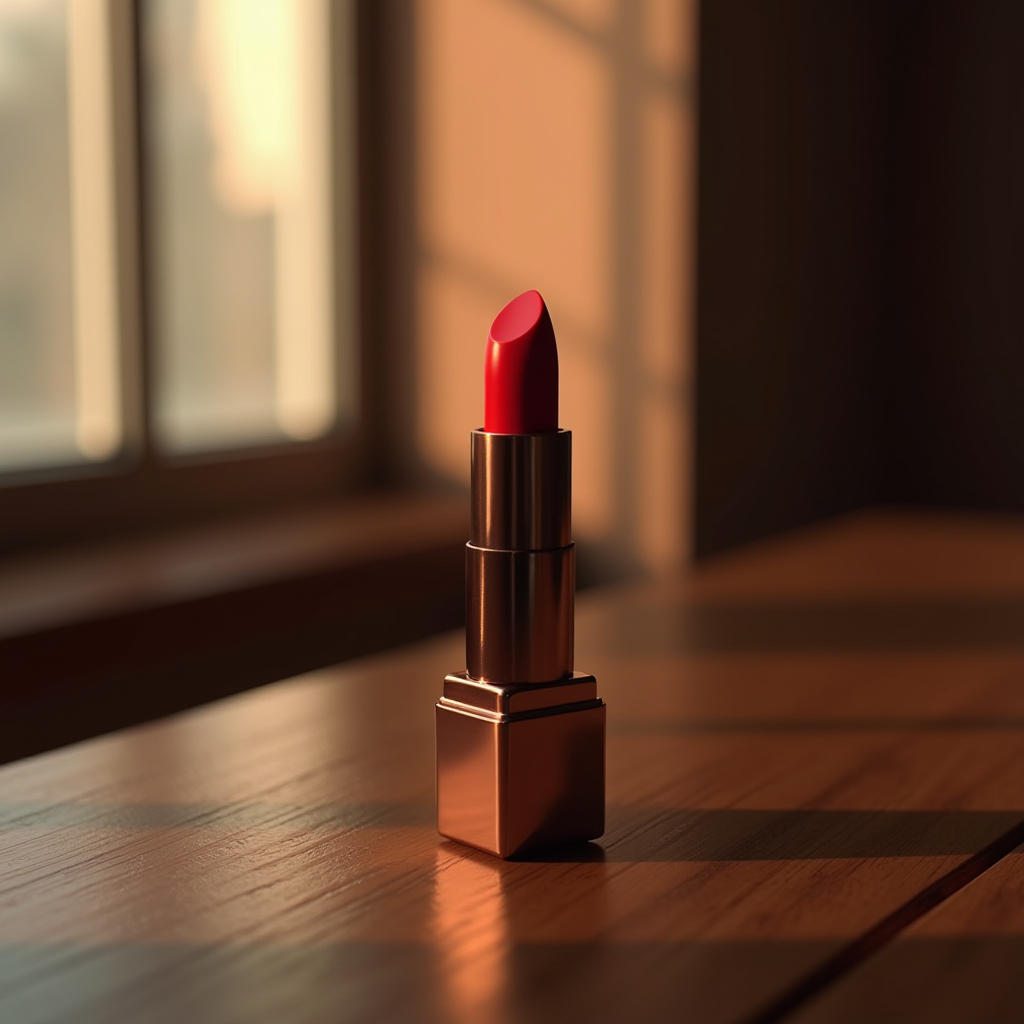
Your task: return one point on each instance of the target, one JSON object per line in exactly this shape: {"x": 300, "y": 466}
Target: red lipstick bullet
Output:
{"x": 521, "y": 370}
{"x": 520, "y": 735}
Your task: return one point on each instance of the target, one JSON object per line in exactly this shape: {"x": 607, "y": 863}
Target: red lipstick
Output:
{"x": 520, "y": 734}
{"x": 521, "y": 370}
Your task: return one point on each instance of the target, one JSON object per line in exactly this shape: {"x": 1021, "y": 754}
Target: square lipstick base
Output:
{"x": 520, "y": 766}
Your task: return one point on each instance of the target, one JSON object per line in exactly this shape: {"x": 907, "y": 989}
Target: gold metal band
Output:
{"x": 520, "y": 562}
{"x": 519, "y": 614}
{"x": 521, "y": 491}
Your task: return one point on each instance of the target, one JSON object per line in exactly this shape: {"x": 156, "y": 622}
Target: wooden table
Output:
{"x": 815, "y": 787}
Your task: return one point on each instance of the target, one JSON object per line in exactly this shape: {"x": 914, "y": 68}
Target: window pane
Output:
{"x": 59, "y": 401}
{"x": 236, "y": 118}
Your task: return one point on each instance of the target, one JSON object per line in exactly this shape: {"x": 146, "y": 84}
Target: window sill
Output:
{"x": 97, "y": 638}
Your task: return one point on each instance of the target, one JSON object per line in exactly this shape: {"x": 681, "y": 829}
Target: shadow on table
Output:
{"x": 775, "y": 626}
{"x": 767, "y": 835}
{"x": 634, "y": 834}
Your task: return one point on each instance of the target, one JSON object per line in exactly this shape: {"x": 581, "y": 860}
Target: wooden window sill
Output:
{"x": 96, "y": 638}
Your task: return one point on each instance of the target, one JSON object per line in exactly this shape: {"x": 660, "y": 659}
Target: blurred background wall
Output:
{"x": 784, "y": 294}
{"x": 860, "y": 211}
{"x": 955, "y": 423}
{"x": 554, "y": 148}
{"x": 792, "y": 257}
{"x": 779, "y": 240}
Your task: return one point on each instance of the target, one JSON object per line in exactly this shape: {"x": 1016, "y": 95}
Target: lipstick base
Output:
{"x": 520, "y": 766}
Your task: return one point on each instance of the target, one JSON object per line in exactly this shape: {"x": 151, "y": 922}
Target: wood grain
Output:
{"x": 958, "y": 963}
{"x": 273, "y": 855}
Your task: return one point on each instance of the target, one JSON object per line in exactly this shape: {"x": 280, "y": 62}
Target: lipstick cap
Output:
{"x": 520, "y": 766}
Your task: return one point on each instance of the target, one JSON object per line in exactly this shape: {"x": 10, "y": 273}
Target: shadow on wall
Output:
{"x": 554, "y": 149}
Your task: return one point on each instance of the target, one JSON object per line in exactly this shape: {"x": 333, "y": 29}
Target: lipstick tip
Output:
{"x": 518, "y": 318}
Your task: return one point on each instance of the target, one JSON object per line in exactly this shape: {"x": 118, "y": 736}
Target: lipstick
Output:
{"x": 520, "y": 735}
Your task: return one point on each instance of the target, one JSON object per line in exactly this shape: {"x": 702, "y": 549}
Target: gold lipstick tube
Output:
{"x": 520, "y": 736}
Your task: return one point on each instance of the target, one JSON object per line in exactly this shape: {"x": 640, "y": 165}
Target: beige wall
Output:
{"x": 556, "y": 150}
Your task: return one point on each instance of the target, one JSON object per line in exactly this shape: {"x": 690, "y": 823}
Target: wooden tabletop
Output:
{"x": 815, "y": 787}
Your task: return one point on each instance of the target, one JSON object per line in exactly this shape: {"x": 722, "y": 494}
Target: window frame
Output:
{"x": 142, "y": 488}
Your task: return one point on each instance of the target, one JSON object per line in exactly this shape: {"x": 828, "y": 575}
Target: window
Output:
{"x": 177, "y": 285}
{"x": 40, "y": 378}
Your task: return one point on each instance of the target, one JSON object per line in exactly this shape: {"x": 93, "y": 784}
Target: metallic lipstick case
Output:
{"x": 520, "y": 736}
